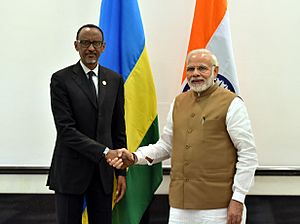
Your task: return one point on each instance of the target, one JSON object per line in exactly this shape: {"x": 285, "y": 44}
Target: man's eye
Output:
{"x": 190, "y": 69}
{"x": 203, "y": 69}
{"x": 85, "y": 43}
{"x": 97, "y": 43}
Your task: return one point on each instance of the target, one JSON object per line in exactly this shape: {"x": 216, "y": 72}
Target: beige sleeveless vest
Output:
{"x": 203, "y": 157}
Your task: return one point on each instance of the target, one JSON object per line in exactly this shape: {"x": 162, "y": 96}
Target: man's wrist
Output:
{"x": 135, "y": 159}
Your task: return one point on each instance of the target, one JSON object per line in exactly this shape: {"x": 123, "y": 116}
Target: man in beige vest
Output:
{"x": 209, "y": 139}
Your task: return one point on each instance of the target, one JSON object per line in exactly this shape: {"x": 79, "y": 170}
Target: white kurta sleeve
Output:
{"x": 240, "y": 132}
{"x": 162, "y": 149}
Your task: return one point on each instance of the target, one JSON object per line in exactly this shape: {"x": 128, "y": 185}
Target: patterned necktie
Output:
{"x": 92, "y": 85}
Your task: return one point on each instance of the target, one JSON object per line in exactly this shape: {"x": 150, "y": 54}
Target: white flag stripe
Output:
{"x": 221, "y": 45}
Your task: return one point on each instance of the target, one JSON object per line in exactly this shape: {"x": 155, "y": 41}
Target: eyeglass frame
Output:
{"x": 94, "y": 43}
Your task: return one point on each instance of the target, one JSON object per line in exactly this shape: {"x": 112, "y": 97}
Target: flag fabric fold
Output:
{"x": 211, "y": 30}
{"x": 126, "y": 54}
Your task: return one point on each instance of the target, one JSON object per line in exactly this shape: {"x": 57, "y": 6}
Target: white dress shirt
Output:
{"x": 239, "y": 129}
{"x": 94, "y": 77}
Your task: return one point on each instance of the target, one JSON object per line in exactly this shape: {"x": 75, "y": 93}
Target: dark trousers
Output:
{"x": 69, "y": 207}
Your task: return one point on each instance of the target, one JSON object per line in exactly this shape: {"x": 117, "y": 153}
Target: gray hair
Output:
{"x": 204, "y": 51}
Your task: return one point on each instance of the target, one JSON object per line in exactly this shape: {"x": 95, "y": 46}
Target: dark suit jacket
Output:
{"x": 85, "y": 128}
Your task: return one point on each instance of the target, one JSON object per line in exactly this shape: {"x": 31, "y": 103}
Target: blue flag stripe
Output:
{"x": 123, "y": 34}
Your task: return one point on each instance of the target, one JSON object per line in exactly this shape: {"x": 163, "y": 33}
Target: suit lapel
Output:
{"x": 81, "y": 80}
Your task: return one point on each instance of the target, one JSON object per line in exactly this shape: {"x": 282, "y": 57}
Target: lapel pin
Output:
{"x": 104, "y": 83}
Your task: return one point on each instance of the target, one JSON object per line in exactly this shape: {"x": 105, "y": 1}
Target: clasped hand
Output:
{"x": 120, "y": 158}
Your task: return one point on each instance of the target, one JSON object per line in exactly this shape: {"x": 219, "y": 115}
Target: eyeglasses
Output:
{"x": 202, "y": 69}
{"x": 87, "y": 43}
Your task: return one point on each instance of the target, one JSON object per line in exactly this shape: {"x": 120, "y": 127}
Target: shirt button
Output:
{"x": 192, "y": 114}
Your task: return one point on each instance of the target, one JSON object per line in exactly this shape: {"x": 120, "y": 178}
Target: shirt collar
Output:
{"x": 86, "y": 69}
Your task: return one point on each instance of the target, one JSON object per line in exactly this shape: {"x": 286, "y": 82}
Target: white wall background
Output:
{"x": 37, "y": 39}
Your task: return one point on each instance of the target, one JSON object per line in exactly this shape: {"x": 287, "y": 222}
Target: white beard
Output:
{"x": 201, "y": 87}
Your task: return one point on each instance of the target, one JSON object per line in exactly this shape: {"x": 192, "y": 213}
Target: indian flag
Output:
{"x": 211, "y": 30}
{"x": 126, "y": 54}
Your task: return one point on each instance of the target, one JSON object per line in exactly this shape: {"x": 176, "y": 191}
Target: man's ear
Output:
{"x": 103, "y": 46}
{"x": 216, "y": 71}
{"x": 76, "y": 45}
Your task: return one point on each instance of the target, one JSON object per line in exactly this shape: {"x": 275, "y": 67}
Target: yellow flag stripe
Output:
{"x": 140, "y": 102}
{"x": 85, "y": 216}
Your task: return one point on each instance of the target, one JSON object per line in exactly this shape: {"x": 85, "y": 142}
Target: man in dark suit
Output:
{"x": 87, "y": 103}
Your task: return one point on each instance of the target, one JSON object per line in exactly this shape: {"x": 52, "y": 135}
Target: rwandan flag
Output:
{"x": 126, "y": 54}
{"x": 211, "y": 30}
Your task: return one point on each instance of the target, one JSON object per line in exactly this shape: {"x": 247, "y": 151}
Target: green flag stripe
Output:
{"x": 142, "y": 182}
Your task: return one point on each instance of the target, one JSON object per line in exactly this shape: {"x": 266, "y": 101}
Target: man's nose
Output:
{"x": 91, "y": 47}
{"x": 196, "y": 72}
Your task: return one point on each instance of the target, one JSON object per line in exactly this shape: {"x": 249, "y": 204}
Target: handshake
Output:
{"x": 120, "y": 158}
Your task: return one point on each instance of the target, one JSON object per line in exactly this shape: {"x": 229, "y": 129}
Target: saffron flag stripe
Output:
{"x": 211, "y": 30}
{"x": 207, "y": 17}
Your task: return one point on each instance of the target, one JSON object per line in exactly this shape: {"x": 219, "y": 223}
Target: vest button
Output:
{"x": 187, "y": 146}
{"x": 187, "y": 180}
{"x": 193, "y": 115}
{"x": 190, "y": 130}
